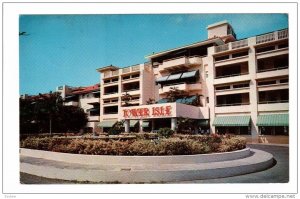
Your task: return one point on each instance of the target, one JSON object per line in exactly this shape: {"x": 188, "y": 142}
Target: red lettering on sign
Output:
{"x": 146, "y": 112}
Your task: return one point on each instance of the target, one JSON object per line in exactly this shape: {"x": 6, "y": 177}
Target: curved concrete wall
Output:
{"x": 113, "y": 159}
{"x": 132, "y": 173}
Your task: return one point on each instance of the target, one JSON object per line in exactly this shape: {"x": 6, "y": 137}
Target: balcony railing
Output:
{"x": 110, "y": 93}
{"x": 222, "y": 48}
{"x": 281, "y": 34}
{"x": 273, "y": 102}
{"x": 232, "y": 45}
{"x": 131, "y": 69}
{"x": 231, "y": 75}
{"x": 265, "y": 38}
{"x": 234, "y": 104}
{"x": 239, "y": 44}
{"x": 132, "y": 89}
{"x": 272, "y": 69}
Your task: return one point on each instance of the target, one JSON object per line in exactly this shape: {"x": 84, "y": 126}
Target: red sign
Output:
{"x": 148, "y": 112}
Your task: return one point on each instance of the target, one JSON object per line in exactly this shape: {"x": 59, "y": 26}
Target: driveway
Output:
{"x": 279, "y": 173}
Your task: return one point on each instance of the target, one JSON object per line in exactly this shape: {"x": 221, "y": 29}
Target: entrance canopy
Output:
{"x": 108, "y": 123}
{"x": 273, "y": 120}
{"x": 232, "y": 121}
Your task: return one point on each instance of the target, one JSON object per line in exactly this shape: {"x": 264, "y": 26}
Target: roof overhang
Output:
{"x": 107, "y": 68}
{"x": 217, "y": 41}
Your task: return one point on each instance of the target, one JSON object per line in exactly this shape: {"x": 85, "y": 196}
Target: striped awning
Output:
{"x": 161, "y": 79}
{"x": 108, "y": 123}
{"x": 273, "y": 120}
{"x": 145, "y": 124}
{"x": 174, "y": 77}
{"x": 232, "y": 121}
{"x": 133, "y": 123}
{"x": 189, "y": 74}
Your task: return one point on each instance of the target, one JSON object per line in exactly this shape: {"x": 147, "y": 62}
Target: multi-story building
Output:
{"x": 87, "y": 98}
{"x": 227, "y": 85}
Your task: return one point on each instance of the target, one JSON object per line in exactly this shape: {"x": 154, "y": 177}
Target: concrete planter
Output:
{"x": 146, "y": 169}
{"x": 114, "y": 159}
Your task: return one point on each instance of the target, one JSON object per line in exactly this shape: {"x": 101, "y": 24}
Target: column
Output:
{"x": 253, "y": 90}
{"x": 173, "y": 124}
{"x": 141, "y": 130}
{"x": 126, "y": 124}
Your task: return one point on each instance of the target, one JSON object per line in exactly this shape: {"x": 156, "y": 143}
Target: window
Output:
{"x": 264, "y": 49}
{"x": 206, "y": 74}
{"x": 243, "y": 85}
{"x": 222, "y": 88}
{"x": 221, "y": 58}
{"x": 266, "y": 83}
{"x": 241, "y": 54}
{"x": 284, "y": 80}
{"x": 126, "y": 77}
{"x": 115, "y": 80}
{"x": 106, "y": 81}
{"x": 207, "y": 99}
{"x": 135, "y": 75}
{"x": 285, "y": 45}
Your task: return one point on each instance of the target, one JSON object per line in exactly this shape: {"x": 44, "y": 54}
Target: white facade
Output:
{"x": 241, "y": 78}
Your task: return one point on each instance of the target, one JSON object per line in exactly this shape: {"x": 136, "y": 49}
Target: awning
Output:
{"x": 133, "y": 123}
{"x": 162, "y": 79}
{"x": 189, "y": 74}
{"x": 174, "y": 77}
{"x": 189, "y": 100}
{"x": 232, "y": 121}
{"x": 203, "y": 122}
{"x": 161, "y": 101}
{"x": 93, "y": 109}
{"x": 108, "y": 123}
{"x": 145, "y": 124}
{"x": 273, "y": 120}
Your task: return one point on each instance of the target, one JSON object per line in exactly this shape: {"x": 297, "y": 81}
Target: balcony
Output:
{"x": 180, "y": 86}
{"x": 179, "y": 63}
{"x": 233, "y": 108}
{"x": 280, "y": 105}
{"x": 109, "y": 74}
{"x": 232, "y": 46}
{"x": 272, "y": 72}
{"x": 238, "y": 77}
{"x": 274, "y": 36}
{"x": 92, "y": 100}
{"x": 110, "y": 95}
{"x": 131, "y": 69}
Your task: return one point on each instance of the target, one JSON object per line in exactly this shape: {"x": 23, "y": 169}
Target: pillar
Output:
{"x": 252, "y": 65}
{"x": 127, "y": 126}
{"x": 141, "y": 130}
{"x": 173, "y": 124}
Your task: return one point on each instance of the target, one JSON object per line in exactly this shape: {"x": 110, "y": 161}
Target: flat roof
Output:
{"x": 218, "y": 41}
{"x": 105, "y": 68}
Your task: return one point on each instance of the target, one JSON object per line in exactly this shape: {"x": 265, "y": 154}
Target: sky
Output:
{"x": 67, "y": 49}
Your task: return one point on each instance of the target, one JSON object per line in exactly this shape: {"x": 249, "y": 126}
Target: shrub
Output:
{"x": 176, "y": 145}
{"x": 165, "y": 132}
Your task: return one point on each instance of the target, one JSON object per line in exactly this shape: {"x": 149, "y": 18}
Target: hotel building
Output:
{"x": 87, "y": 98}
{"x": 224, "y": 84}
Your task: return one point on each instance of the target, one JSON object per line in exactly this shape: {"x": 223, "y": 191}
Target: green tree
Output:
{"x": 175, "y": 94}
{"x": 46, "y": 113}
